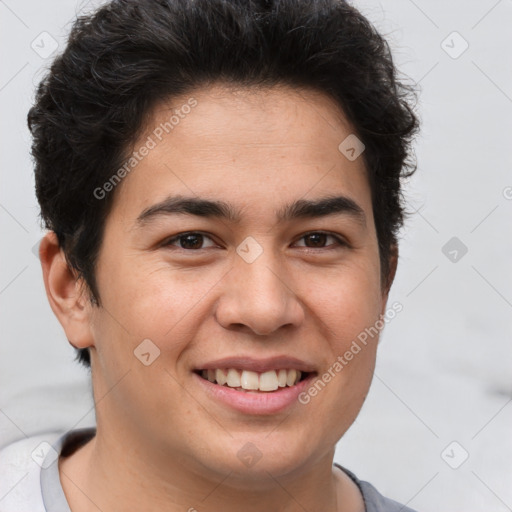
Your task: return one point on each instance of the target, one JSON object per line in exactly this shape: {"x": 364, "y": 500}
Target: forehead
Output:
{"x": 250, "y": 147}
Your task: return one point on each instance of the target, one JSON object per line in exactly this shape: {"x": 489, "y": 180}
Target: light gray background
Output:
{"x": 444, "y": 368}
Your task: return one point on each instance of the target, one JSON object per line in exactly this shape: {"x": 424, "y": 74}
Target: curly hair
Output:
{"x": 126, "y": 57}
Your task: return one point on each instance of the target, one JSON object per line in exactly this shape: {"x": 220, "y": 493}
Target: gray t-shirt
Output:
{"x": 30, "y": 482}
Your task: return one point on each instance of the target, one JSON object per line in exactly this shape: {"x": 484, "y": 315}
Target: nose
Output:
{"x": 258, "y": 296}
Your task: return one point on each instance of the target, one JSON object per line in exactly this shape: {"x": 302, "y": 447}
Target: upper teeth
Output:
{"x": 245, "y": 379}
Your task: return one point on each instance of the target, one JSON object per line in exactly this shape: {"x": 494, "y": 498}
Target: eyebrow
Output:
{"x": 336, "y": 205}
{"x": 189, "y": 206}
{"x": 302, "y": 208}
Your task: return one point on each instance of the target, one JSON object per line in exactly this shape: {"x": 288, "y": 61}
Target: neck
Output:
{"x": 113, "y": 473}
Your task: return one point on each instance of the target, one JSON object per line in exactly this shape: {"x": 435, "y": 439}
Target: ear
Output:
{"x": 393, "y": 263}
{"x": 66, "y": 294}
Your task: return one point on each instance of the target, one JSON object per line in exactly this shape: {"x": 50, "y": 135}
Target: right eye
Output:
{"x": 192, "y": 240}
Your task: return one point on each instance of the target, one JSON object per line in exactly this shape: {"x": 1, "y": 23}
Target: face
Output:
{"x": 243, "y": 240}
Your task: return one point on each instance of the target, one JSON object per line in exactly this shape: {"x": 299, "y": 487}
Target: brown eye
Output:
{"x": 320, "y": 240}
{"x": 189, "y": 241}
{"x": 315, "y": 240}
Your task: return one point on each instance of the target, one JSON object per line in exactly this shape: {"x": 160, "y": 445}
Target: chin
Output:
{"x": 253, "y": 460}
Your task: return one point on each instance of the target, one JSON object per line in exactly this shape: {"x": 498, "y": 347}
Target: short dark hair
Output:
{"x": 129, "y": 55}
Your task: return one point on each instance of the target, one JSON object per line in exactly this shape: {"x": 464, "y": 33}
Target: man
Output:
{"x": 221, "y": 184}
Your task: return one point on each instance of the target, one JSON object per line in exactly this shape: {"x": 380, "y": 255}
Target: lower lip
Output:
{"x": 256, "y": 403}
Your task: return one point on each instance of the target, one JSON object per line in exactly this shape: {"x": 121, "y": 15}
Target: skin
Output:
{"x": 160, "y": 443}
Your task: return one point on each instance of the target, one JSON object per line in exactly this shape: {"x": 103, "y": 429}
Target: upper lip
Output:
{"x": 258, "y": 365}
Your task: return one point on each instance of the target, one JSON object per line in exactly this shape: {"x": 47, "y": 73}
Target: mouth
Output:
{"x": 248, "y": 381}
{"x": 253, "y": 386}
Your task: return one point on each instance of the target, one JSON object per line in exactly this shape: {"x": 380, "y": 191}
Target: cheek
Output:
{"x": 347, "y": 309}
{"x": 141, "y": 302}
{"x": 346, "y": 302}
{"x": 152, "y": 300}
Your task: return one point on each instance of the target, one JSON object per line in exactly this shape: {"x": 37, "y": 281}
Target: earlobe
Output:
{"x": 66, "y": 294}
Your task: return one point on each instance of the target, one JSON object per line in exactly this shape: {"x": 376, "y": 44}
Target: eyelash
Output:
{"x": 338, "y": 240}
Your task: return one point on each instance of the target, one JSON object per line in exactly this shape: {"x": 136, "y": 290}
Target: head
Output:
{"x": 233, "y": 121}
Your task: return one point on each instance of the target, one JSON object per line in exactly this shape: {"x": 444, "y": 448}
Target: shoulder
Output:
{"x": 29, "y": 474}
{"x": 373, "y": 500}
{"x": 20, "y": 473}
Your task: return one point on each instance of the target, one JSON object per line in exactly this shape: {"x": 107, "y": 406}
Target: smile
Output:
{"x": 254, "y": 393}
{"x": 251, "y": 381}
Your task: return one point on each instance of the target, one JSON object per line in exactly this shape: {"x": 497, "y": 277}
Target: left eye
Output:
{"x": 318, "y": 239}
{"x": 191, "y": 241}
